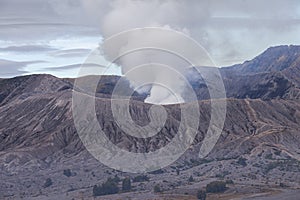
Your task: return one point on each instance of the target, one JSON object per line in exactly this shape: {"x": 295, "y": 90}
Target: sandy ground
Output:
{"x": 287, "y": 194}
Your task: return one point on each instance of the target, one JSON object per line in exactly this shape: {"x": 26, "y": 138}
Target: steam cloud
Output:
{"x": 159, "y": 67}
{"x": 163, "y": 71}
{"x": 199, "y": 19}
{"x": 231, "y": 31}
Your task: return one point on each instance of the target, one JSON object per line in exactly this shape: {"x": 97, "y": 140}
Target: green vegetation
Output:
{"x": 191, "y": 179}
{"x": 216, "y": 187}
{"x": 157, "y": 189}
{"x": 242, "y": 161}
{"x": 283, "y": 165}
{"x": 222, "y": 174}
{"x": 269, "y": 156}
{"x": 141, "y": 178}
{"x": 116, "y": 179}
{"x": 229, "y": 181}
{"x": 283, "y": 185}
{"x": 48, "y": 183}
{"x": 277, "y": 152}
{"x": 201, "y": 195}
{"x": 67, "y": 172}
{"x": 159, "y": 171}
{"x": 109, "y": 187}
{"x": 126, "y": 185}
{"x": 271, "y": 166}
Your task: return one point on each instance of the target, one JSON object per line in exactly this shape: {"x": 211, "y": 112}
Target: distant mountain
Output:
{"x": 273, "y": 74}
{"x": 259, "y": 144}
{"x": 274, "y": 59}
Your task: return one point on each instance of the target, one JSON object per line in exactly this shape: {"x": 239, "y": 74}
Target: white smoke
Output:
{"x": 147, "y": 66}
{"x": 220, "y": 28}
{"x": 125, "y": 15}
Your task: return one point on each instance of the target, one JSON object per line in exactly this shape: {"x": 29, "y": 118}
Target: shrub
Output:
{"x": 67, "y": 172}
{"x": 48, "y": 183}
{"x": 222, "y": 174}
{"x": 271, "y": 166}
{"x": 277, "y": 152}
{"x": 141, "y": 178}
{"x": 109, "y": 187}
{"x": 159, "y": 171}
{"x": 283, "y": 185}
{"x": 97, "y": 190}
{"x": 201, "y": 195}
{"x": 126, "y": 185}
{"x": 191, "y": 179}
{"x": 116, "y": 179}
{"x": 229, "y": 181}
{"x": 269, "y": 156}
{"x": 157, "y": 189}
{"x": 242, "y": 161}
{"x": 216, "y": 186}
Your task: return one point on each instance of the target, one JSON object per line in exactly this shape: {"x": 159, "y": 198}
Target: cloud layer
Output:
{"x": 10, "y": 68}
{"x": 232, "y": 31}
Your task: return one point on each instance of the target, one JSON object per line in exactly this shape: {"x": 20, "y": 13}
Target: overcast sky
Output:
{"x": 56, "y": 36}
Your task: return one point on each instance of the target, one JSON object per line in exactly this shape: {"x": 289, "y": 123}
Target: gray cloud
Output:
{"x": 71, "y": 53}
{"x": 74, "y": 66}
{"x": 229, "y": 30}
{"x": 28, "y": 48}
{"x": 232, "y": 31}
{"x": 14, "y": 68}
{"x": 33, "y": 20}
{"x": 20, "y": 32}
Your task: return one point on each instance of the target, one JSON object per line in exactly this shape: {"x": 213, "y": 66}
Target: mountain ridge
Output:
{"x": 259, "y": 143}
